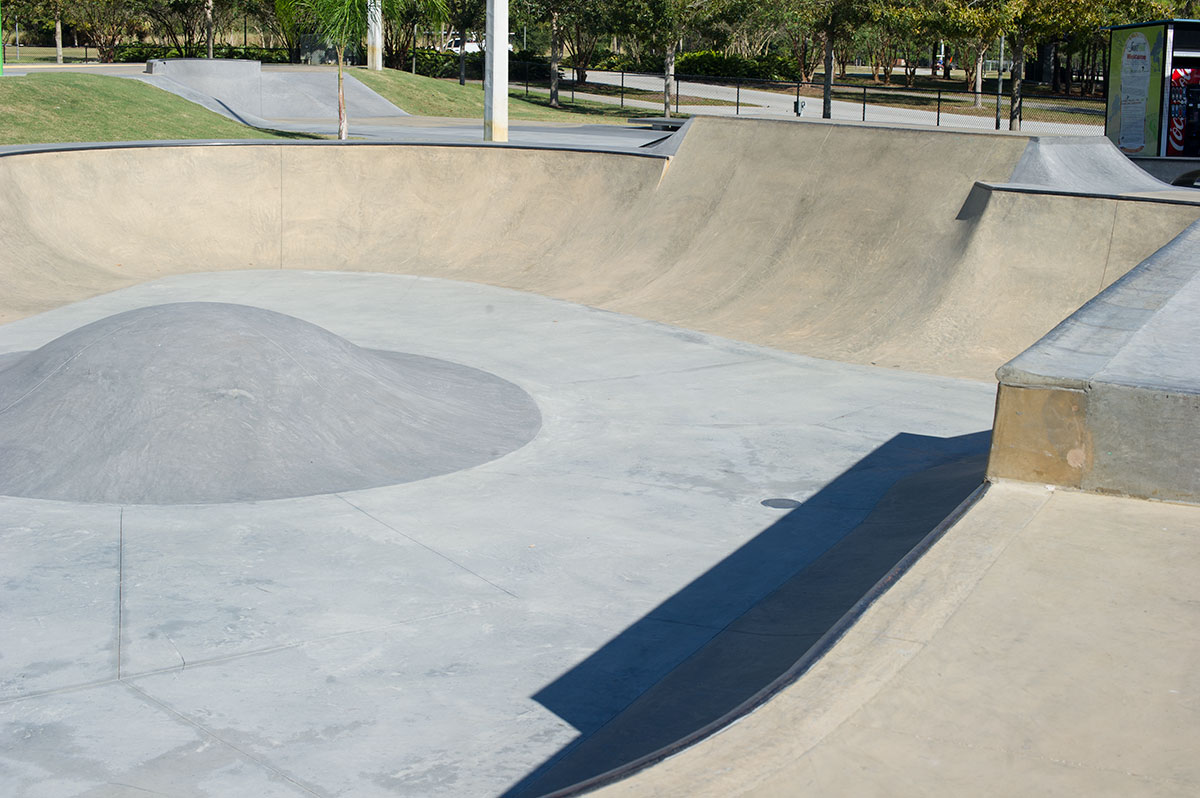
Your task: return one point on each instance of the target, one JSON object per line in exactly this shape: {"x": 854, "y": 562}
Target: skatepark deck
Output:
{"x": 609, "y": 606}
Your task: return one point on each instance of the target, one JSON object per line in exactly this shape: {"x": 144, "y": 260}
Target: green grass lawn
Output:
{"x": 30, "y": 53}
{"x": 423, "y": 96}
{"x": 73, "y": 107}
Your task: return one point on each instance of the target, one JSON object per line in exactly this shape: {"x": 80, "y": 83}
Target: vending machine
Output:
{"x": 1183, "y": 117}
{"x": 1152, "y": 83}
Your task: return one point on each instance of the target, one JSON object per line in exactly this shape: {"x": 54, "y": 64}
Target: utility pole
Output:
{"x": 495, "y": 77}
{"x": 375, "y": 35}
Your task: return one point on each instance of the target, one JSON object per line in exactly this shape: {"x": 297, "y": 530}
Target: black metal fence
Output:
{"x": 690, "y": 94}
{"x": 645, "y": 93}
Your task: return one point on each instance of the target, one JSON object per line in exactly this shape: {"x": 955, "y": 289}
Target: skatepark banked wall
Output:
{"x": 845, "y": 242}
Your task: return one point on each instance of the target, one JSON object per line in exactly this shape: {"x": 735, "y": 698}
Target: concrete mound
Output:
{"x": 207, "y": 402}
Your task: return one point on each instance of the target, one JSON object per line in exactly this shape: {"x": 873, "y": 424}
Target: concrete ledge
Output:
{"x": 1174, "y": 170}
{"x": 658, "y": 122}
{"x": 1109, "y": 400}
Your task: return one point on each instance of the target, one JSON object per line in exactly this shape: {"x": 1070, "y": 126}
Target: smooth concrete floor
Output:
{"x": 392, "y": 641}
{"x": 1046, "y": 645}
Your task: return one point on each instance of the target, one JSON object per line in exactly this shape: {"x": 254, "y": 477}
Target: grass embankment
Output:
{"x": 424, "y": 96}
{"x": 72, "y": 107}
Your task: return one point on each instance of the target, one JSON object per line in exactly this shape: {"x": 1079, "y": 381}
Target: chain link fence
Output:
{"x": 692, "y": 94}
{"x": 648, "y": 94}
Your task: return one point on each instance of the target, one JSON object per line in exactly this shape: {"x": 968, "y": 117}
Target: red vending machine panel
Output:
{"x": 1183, "y": 117}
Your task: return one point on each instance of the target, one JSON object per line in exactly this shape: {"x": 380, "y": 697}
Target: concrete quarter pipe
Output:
{"x": 697, "y": 491}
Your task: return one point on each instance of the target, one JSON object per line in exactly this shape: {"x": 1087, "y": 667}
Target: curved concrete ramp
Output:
{"x": 1084, "y": 165}
{"x": 244, "y": 92}
{"x": 846, "y": 242}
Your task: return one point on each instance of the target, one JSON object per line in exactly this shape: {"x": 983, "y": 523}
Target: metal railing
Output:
{"x": 691, "y": 94}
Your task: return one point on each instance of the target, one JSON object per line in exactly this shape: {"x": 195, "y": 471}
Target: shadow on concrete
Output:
{"x": 740, "y": 626}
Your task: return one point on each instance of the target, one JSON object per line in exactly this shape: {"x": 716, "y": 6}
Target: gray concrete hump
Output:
{"x": 847, "y": 242}
{"x": 214, "y": 402}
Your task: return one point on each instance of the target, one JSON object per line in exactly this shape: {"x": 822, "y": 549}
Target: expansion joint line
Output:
{"x": 281, "y": 207}
{"x": 120, "y": 587}
{"x": 427, "y": 547}
{"x": 211, "y": 734}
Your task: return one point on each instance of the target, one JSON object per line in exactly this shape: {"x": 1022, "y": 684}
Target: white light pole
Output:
{"x": 495, "y": 77}
{"x": 374, "y": 34}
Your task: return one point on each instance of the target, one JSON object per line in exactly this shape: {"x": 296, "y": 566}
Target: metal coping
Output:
{"x": 35, "y": 149}
{"x": 1021, "y": 188}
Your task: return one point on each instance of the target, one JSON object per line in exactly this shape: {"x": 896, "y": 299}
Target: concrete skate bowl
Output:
{"x": 899, "y": 248}
{"x": 909, "y": 249}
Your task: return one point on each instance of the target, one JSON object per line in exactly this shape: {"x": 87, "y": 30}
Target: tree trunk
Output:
{"x": 462, "y": 59}
{"x": 343, "y": 123}
{"x": 208, "y": 26}
{"x": 555, "y": 58}
{"x": 1018, "y": 75}
{"x": 1055, "y": 75}
{"x": 933, "y": 61}
{"x": 58, "y": 57}
{"x": 978, "y": 88}
{"x": 668, "y": 76}
{"x": 827, "y": 90}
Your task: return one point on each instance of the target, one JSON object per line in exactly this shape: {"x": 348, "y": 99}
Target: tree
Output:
{"x": 465, "y": 16}
{"x": 797, "y": 22}
{"x": 401, "y": 19}
{"x": 287, "y": 19}
{"x": 107, "y": 22}
{"x": 188, "y": 23}
{"x": 342, "y": 22}
{"x": 897, "y": 29}
{"x": 976, "y": 25}
{"x": 554, "y": 12}
{"x": 1043, "y": 21}
{"x": 746, "y": 27}
{"x": 55, "y": 10}
{"x": 662, "y": 23}
{"x": 584, "y": 23}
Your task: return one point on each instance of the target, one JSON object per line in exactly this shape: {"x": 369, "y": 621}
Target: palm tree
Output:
{"x": 341, "y": 22}
{"x": 344, "y": 22}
